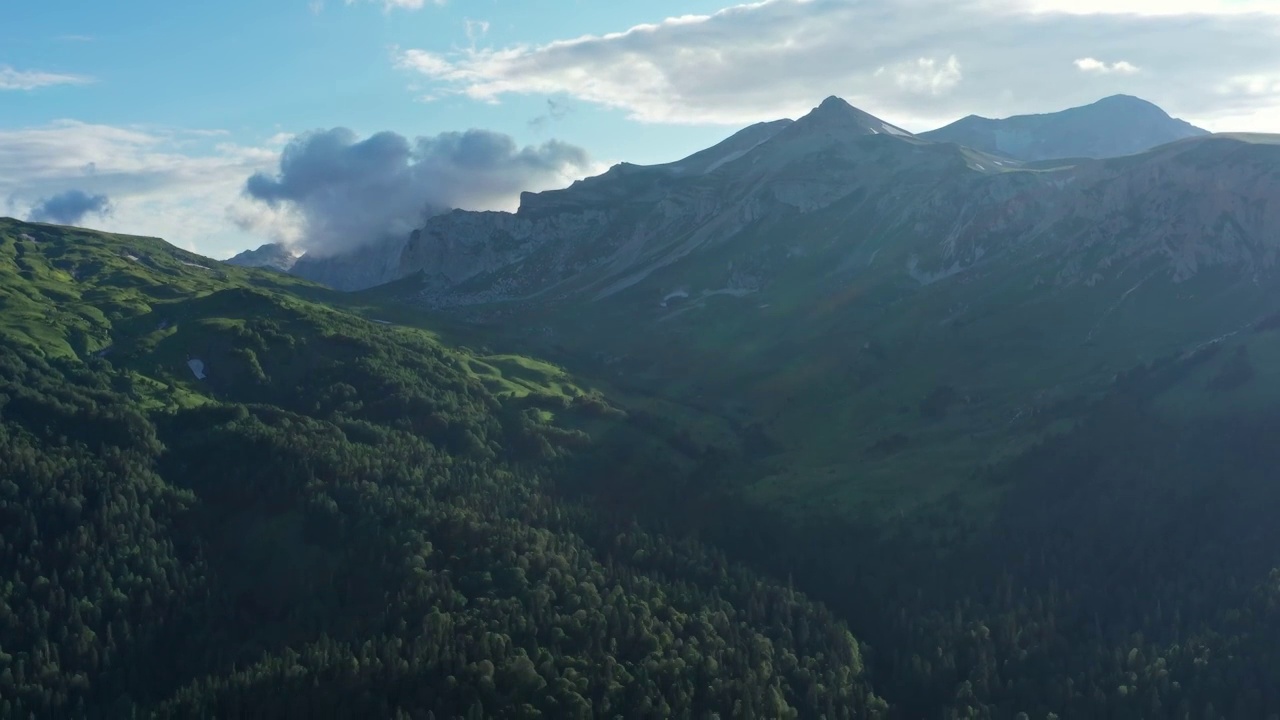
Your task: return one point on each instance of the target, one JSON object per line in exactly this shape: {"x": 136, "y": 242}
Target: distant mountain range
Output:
{"x": 889, "y": 264}
{"x": 1114, "y": 126}
{"x": 839, "y": 246}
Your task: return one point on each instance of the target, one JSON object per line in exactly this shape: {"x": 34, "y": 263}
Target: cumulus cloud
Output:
{"x": 14, "y": 79}
{"x": 69, "y": 207}
{"x": 1093, "y": 65}
{"x": 918, "y": 63}
{"x": 161, "y": 182}
{"x": 345, "y": 191}
{"x": 925, "y": 76}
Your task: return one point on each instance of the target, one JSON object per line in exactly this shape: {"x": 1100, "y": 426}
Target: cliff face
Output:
{"x": 373, "y": 264}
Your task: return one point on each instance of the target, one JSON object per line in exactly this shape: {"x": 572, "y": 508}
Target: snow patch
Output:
{"x": 197, "y": 368}
{"x": 195, "y": 265}
{"x": 727, "y": 159}
{"x": 893, "y": 130}
{"x": 733, "y": 292}
{"x": 674, "y": 295}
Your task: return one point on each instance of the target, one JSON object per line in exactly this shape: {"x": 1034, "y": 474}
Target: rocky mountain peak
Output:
{"x": 835, "y": 115}
{"x": 274, "y": 256}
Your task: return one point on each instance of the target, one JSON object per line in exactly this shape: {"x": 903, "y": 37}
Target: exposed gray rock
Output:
{"x": 272, "y": 256}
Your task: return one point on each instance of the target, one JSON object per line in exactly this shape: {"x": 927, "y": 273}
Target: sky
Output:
{"x": 328, "y": 123}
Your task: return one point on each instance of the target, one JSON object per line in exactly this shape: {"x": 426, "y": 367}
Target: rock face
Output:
{"x": 272, "y": 256}
{"x": 367, "y": 266}
{"x": 1114, "y": 126}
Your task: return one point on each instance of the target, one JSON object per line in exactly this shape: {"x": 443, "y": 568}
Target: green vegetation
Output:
{"x": 366, "y": 519}
{"x": 342, "y": 518}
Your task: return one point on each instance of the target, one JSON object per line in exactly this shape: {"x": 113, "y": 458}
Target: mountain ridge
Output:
{"x": 1113, "y": 126}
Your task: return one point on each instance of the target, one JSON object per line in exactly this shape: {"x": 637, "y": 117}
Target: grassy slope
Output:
{"x": 74, "y": 293}
{"x": 318, "y": 403}
{"x": 836, "y": 362}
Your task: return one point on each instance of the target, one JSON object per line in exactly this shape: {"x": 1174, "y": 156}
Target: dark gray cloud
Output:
{"x": 69, "y": 207}
{"x": 555, "y": 111}
{"x": 347, "y": 191}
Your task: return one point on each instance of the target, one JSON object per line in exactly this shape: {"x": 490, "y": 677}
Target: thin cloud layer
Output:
{"x": 347, "y": 191}
{"x": 389, "y": 5}
{"x": 70, "y": 207}
{"x": 166, "y": 183}
{"x": 919, "y": 63}
{"x": 14, "y": 79}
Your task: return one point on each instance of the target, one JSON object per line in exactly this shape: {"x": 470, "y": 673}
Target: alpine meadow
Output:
{"x": 831, "y": 419}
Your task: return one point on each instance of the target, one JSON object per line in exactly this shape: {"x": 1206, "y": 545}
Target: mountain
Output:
{"x": 831, "y": 249}
{"x": 954, "y": 375}
{"x": 835, "y": 247}
{"x": 371, "y": 264}
{"x": 1111, "y": 127}
{"x": 664, "y": 443}
{"x": 272, "y": 256}
{"x": 839, "y": 247}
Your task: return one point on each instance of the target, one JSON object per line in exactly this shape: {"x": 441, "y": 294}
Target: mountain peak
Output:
{"x": 836, "y": 115}
{"x": 834, "y": 102}
{"x": 274, "y": 256}
{"x": 1127, "y": 103}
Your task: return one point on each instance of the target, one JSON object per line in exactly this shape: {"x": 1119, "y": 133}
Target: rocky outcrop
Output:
{"x": 272, "y": 256}
{"x": 367, "y": 266}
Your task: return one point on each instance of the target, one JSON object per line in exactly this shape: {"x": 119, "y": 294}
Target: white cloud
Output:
{"x": 918, "y": 63}
{"x": 165, "y": 183}
{"x": 389, "y": 5}
{"x": 476, "y": 29}
{"x": 1153, "y": 7}
{"x": 1258, "y": 85}
{"x": 924, "y": 76}
{"x": 14, "y": 79}
{"x": 1093, "y": 65}
{"x": 335, "y": 191}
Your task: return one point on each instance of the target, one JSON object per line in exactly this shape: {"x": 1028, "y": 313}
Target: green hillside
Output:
{"x": 364, "y": 510}
{"x": 343, "y": 517}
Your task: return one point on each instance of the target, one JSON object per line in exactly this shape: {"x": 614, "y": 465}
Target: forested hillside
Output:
{"x": 226, "y": 492}
{"x": 340, "y": 517}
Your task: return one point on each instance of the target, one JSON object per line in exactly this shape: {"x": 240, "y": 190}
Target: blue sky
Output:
{"x": 257, "y": 68}
{"x": 150, "y": 117}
